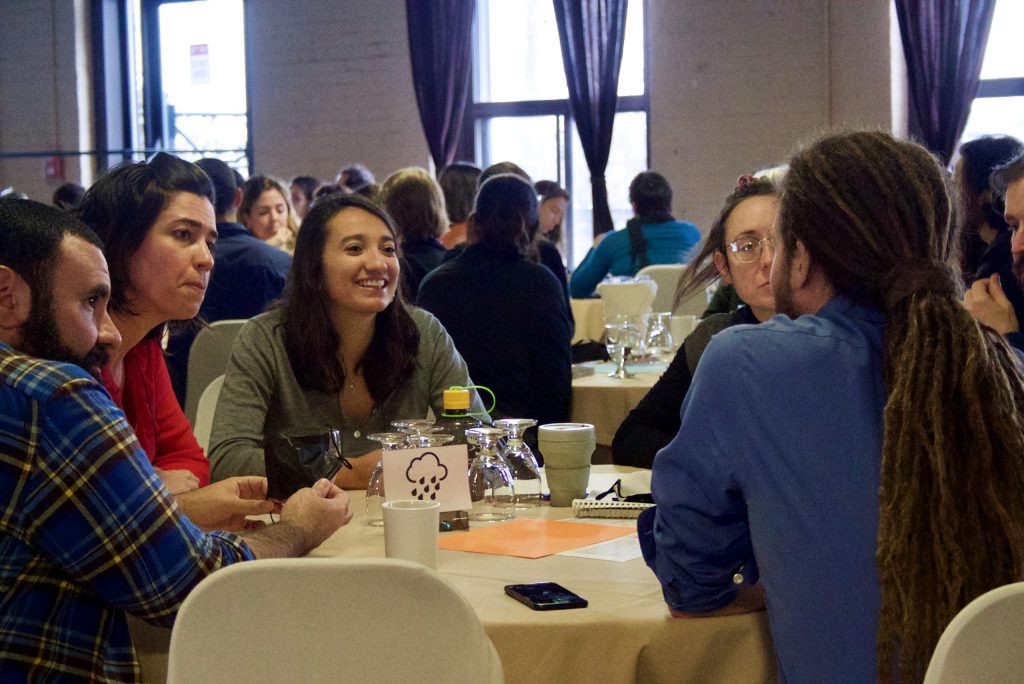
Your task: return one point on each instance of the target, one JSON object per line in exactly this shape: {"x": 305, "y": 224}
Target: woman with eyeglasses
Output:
{"x": 738, "y": 251}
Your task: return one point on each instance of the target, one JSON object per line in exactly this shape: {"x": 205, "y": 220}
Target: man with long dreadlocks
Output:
{"x": 864, "y": 457}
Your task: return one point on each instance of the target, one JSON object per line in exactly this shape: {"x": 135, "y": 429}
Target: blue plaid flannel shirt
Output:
{"x": 87, "y": 531}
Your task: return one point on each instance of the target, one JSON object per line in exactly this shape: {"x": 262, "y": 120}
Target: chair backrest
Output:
{"x": 983, "y": 642}
{"x": 203, "y": 424}
{"x": 208, "y": 358}
{"x": 329, "y": 620}
{"x": 666, "y": 276}
{"x": 628, "y": 298}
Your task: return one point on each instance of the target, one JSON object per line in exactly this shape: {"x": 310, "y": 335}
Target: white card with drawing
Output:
{"x": 431, "y": 474}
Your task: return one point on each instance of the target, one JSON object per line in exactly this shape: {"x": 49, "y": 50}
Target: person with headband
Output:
{"x": 857, "y": 464}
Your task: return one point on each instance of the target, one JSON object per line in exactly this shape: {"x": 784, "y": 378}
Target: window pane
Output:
{"x": 631, "y": 73}
{"x": 628, "y": 157}
{"x": 992, "y": 115}
{"x": 1002, "y": 55}
{"x": 529, "y": 141}
{"x": 520, "y": 58}
{"x": 202, "y": 59}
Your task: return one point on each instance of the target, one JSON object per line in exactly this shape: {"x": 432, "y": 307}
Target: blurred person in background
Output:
{"x": 458, "y": 182}
{"x": 652, "y": 236}
{"x": 303, "y": 189}
{"x": 506, "y": 314}
{"x": 415, "y": 203}
{"x": 266, "y": 212}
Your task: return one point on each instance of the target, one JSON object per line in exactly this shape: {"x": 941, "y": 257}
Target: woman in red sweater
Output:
{"x": 157, "y": 223}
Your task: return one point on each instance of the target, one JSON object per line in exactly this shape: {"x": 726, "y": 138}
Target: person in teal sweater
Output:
{"x": 652, "y": 236}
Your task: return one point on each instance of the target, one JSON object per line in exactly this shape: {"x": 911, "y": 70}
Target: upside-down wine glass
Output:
{"x": 521, "y": 460}
{"x": 490, "y": 479}
{"x": 389, "y": 441}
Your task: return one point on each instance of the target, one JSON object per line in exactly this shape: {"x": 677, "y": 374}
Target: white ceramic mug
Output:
{"x": 410, "y": 530}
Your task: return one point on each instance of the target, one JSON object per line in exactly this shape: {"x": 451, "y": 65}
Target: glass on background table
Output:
{"x": 625, "y": 635}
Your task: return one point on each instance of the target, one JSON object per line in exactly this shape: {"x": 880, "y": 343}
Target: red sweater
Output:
{"x": 148, "y": 402}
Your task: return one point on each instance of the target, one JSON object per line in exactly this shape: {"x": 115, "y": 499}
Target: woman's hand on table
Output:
{"x": 359, "y": 475}
{"x": 226, "y": 505}
{"x": 178, "y": 481}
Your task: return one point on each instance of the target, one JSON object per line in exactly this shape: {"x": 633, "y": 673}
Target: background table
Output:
{"x": 588, "y": 315}
{"x": 625, "y": 635}
{"x": 604, "y": 402}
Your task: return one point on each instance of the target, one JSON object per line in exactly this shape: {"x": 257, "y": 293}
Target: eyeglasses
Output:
{"x": 748, "y": 249}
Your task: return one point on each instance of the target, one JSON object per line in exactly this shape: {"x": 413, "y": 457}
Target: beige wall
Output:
{"x": 330, "y": 83}
{"x": 44, "y": 90}
{"x": 735, "y": 85}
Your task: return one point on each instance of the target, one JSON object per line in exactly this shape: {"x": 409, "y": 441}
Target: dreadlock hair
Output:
{"x": 702, "y": 270}
{"x": 874, "y": 215}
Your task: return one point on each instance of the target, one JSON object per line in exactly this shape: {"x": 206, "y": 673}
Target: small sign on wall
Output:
{"x": 431, "y": 474}
{"x": 53, "y": 170}
{"x": 200, "y": 63}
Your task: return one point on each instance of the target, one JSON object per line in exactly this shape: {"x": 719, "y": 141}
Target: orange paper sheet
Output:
{"x": 531, "y": 538}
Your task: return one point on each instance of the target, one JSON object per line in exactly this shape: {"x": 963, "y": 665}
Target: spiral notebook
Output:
{"x": 592, "y": 508}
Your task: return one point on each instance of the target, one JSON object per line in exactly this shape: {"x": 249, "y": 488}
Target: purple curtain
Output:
{"x": 591, "y": 34}
{"x": 944, "y": 43}
{"x": 441, "y": 50}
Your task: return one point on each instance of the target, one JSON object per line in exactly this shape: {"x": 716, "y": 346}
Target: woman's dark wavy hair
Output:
{"x": 124, "y": 203}
{"x": 702, "y": 270}
{"x": 310, "y": 338}
{"x": 506, "y": 207}
{"x": 874, "y": 216}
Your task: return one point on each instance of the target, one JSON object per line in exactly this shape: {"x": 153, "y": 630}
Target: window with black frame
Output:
{"x": 999, "y": 105}
{"x": 521, "y": 111}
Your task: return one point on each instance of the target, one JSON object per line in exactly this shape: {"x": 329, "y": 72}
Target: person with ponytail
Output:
{"x": 652, "y": 236}
{"x": 859, "y": 464}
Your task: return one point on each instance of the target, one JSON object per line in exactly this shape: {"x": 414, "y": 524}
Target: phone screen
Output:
{"x": 545, "y": 596}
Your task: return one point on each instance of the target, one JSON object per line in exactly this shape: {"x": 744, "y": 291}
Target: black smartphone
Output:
{"x": 545, "y": 596}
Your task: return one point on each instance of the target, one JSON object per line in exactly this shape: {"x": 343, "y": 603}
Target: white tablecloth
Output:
{"x": 605, "y": 402}
{"x": 625, "y": 635}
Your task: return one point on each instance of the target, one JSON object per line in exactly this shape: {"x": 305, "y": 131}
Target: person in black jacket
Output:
{"x": 506, "y": 314}
{"x": 738, "y": 250}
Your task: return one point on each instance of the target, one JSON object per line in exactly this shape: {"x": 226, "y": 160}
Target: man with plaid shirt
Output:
{"x": 87, "y": 531}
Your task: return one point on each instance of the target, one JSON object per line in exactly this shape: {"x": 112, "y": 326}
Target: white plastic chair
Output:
{"x": 203, "y": 425}
{"x": 982, "y": 643}
{"x": 666, "y": 276}
{"x": 208, "y": 358}
{"x": 329, "y": 620}
{"x": 627, "y": 299}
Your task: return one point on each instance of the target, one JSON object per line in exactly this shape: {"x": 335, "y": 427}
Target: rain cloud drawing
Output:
{"x": 426, "y": 473}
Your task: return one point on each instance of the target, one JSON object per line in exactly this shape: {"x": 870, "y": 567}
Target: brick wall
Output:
{"x": 736, "y": 85}
{"x": 330, "y": 83}
{"x": 40, "y": 102}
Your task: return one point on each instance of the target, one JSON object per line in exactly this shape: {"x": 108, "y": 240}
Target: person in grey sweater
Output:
{"x": 344, "y": 351}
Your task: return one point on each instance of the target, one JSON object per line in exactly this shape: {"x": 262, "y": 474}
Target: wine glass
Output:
{"x": 490, "y": 479}
{"x": 389, "y": 441}
{"x": 521, "y": 461}
{"x": 659, "y": 335}
{"x": 620, "y": 338}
